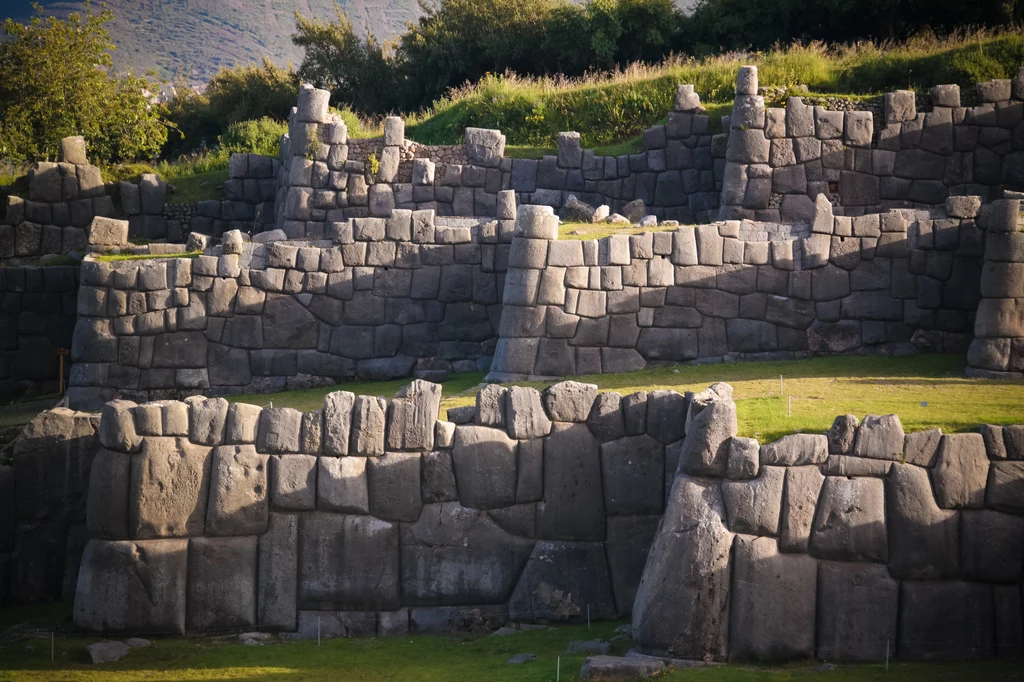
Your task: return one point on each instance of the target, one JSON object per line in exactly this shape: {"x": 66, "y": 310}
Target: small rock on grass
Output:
{"x": 107, "y": 652}
{"x": 617, "y": 668}
{"x": 135, "y": 642}
{"x": 503, "y": 631}
{"x": 594, "y": 647}
{"x": 521, "y": 658}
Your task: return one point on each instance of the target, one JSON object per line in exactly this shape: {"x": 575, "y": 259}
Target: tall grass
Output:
{"x": 611, "y": 107}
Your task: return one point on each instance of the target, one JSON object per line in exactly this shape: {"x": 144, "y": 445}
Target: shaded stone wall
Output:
{"x": 893, "y": 283}
{"x": 38, "y": 311}
{"x": 373, "y": 516}
{"x": 43, "y": 494}
{"x": 381, "y": 298}
{"x": 852, "y": 545}
{"x": 778, "y": 160}
{"x": 997, "y": 350}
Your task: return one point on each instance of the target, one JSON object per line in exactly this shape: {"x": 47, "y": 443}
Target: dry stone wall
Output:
{"x": 778, "y": 160}
{"x": 892, "y": 283}
{"x": 853, "y": 545}
{"x": 371, "y": 516}
{"x": 381, "y": 298}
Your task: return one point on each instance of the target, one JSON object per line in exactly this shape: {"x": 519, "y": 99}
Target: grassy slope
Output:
{"x": 925, "y": 390}
{"x": 412, "y": 658}
{"x": 601, "y": 230}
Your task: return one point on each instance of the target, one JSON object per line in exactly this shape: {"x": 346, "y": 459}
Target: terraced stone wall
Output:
{"x": 855, "y": 545}
{"x": 371, "y": 516}
{"x": 778, "y": 160}
{"x": 890, "y": 283}
{"x": 381, "y": 298}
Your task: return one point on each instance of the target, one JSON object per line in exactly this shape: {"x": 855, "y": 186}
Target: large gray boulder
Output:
{"x": 341, "y": 485}
{"x": 945, "y": 620}
{"x": 629, "y": 539}
{"x": 278, "y": 550}
{"x": 569, "y": 401}
{"x": 923, "y": 539}
{"x": 772, "y": 607}
{"x": 169, "y": 489}
{"x": 880, "y": 438}
{"x": 798, "y": 449}
{"x": 106, "y": 510}
{"x": 633, "y": 470}
{"x": 524, "y": 413}
{"x": 606, "y": 419}
{"x": 454, "y": 555}
{"x": 857, "y": 612}
{"x": 413, "y": 414}
{"x": 238, "y": 492}
{"x": 348, "y": 562}
{"x": 961, "y": 471}
{"x": 681, "y": 606}
{"x": 279, "y": 430}
{"x": 337, "y": 422}
{"x": 293, "y": 482}
{"x": 1006, "y": 487}
{"x": 127, "y": 586}
{"x": 563, "y": 581}
{"x": 369, "y": 416}
{"x": 619, "y": 668}
{"x": 485, "y": 467}
{"x": 221, "y": 591}
{"x": 394, "y": 485}
{"x": 991, "y": 546}
{"x": 573, "y": 506}
{"x": 710, "y": 424}
{"x": 754, "y": 507}
{"x": 850, "y": 520}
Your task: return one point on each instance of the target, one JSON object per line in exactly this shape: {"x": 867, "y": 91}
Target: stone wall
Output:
{"x": 854, "y": 545}
{"x": 997, "y": 350}
{"x": 43, "y": 507}
{"x": 891, "y": 283}
{"x": 778, "y": 160}
{"x": 38, "y": 311}
{"x": 373, "y": 517}
{"x": 379, "y": 299}
{"x": 63, "y": 198}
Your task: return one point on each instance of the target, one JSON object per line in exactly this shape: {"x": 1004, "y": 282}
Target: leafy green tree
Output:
{"x": 361, "y": 73}
{"x": 56, "y": 80}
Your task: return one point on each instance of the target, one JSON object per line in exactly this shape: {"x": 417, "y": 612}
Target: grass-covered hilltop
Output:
{"x": 532, "y": 68}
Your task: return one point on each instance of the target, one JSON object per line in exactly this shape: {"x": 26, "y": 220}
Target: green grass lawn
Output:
{"x": 190, "y": 188}
{"x": 416, "y": 658}
{"x": 601, "y": 230}
{"x": 925, "y": 390}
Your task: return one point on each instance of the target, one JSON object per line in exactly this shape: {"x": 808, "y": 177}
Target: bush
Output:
{"x": 262, "y": 136}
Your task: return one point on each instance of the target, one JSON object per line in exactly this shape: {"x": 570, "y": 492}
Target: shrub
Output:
{"x": 262, "y": 136}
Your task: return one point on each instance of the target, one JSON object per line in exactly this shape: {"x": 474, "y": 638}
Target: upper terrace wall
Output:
{"x": 889, "y": 283}
{"x": 778, "y": 160}
{"x": 381, "y": 298}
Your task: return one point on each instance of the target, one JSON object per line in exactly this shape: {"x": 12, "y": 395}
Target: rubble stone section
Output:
{"x": 903, "y": 281}
{"x": 893, "y": 567}
{"x": 381, "y": 540}
{"x": 778, "y": 160}
{"x": 380, "y": 299}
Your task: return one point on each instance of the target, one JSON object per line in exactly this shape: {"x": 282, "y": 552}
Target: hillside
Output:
{"x": 198, "y": 37}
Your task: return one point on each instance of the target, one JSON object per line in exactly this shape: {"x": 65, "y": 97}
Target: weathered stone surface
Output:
{"x": 857, "y": 612}
{"x": 394, "y": 484}
{"x": 923, "y": 539}
{"x": 753, "y": 507}
{"x": 238, "y": 492}
{"x": 117, "y": 427}
{"x": 569, "y": 401}
{"x": 438, "y": 483}
{"x": 221, "y": 592}
{"x": 349, "y": 562}
{"x": 454, "y": 555}
{"x": 562, "y": 581}
{"x": 684, "y": 613}
{"x": 710, "y": 424}
{"x": 490, "y": 405}
{"x": 573, "y": 507}
{"x": 524, "y": 413}
{"x": 206, "y": 420}
{"x": 368, "y": 421}
{"x": 744, "y": 461}
{"x": 961, "y": 471}
{"x": 530, "y": 478}
{"x": 337, "y": 422}
{"x": 341, "y": 485}
{"x": 799, "y": 502}
{"x": 633, "y": 474}
{"x": 413, "y": 414}
{"x": 126, "y": 586}
{"x": 169, "y": 489}
{"x": 773, "y": 601}
{"x": 947, "y": 620}
{"x": 991, "y": 546}
{"x": 485, "y": 467}
{"x": 796, "y": 450}
{"x": 666, "y": 415}
{"x": 922, "y": 447}
{"x": 278, "y": 550}
{"x": 850, "y": 520}
{"x": 880, "y": 438}
{"x": 606, "y": 420}
{"x": 279, "y": 430}
{"x": 293, "y": 482}
{"x": 107, "y": 652}
{"x": 1006, "y": 487}
{"x": 106, "y": 510}
{"x": 242, "y": 423}
{"x": 619, "y": 668}
{"x": 629, "y": 539}
{"x": 842, "y": 433}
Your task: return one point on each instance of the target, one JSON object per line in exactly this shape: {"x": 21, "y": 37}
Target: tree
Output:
{"x": 56, "y": 80}
{"x": 359, "y": 72}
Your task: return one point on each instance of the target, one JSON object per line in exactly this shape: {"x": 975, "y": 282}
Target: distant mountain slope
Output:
{"x": 198, "y": 37}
